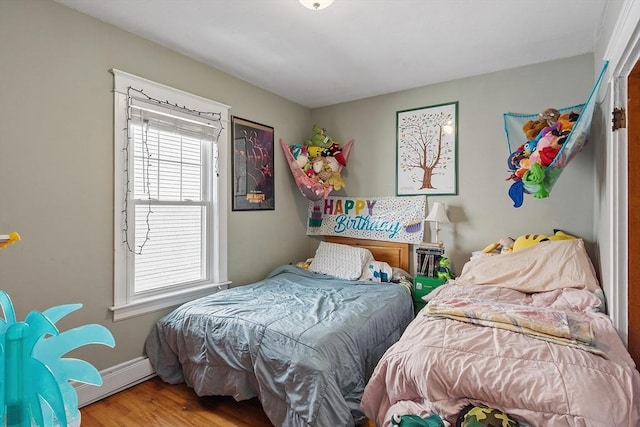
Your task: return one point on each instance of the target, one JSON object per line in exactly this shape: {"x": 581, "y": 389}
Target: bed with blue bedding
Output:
{"x": 304, "y": 343}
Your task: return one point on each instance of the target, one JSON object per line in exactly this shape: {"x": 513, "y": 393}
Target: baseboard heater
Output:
{"x": 115, "y": 379}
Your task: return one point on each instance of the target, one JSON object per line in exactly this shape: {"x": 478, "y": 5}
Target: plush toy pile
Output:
{"x": 508, "y": 245}
{"x": 545, "y": 137}
{"x": 483, "y": 416}
{"x": 321, "y": 158}
{"x": 470, "y": 416}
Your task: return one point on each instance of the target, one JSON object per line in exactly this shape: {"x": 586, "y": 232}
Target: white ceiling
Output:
{"x": 358, "y": 48}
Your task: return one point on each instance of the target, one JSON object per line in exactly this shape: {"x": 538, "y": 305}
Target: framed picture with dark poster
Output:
{"x": 252, "y": 165}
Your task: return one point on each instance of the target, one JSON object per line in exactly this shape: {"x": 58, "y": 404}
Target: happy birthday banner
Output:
{"x": 394, "y": 219}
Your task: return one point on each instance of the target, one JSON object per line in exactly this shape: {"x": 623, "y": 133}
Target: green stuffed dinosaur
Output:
{"x": 319, "y": 138}
{"x": 444, "y": 271}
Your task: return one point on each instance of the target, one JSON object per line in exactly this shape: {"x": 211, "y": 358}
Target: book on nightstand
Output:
{"x": 427, "y": 259}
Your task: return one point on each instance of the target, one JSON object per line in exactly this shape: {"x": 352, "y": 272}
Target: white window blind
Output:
{"x": 172, "y": 160}
{"x": 170, "y": 198}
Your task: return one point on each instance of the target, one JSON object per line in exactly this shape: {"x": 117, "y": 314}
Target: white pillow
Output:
{"x": 342, "y": 261}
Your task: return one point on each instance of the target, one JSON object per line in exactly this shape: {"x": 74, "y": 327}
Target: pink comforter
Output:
{"x": 440, "y": 365}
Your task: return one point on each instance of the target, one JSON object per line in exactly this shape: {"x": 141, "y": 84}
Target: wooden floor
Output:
{"x": 154, "y": 403}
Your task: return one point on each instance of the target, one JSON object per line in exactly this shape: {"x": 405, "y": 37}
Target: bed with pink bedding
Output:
{"x": 523, "y": 333}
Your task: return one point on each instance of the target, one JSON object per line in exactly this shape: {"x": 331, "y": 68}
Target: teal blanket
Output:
{"x": 304, "y": 343}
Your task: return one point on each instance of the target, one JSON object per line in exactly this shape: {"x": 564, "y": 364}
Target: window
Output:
{"x": 170, "y": 196}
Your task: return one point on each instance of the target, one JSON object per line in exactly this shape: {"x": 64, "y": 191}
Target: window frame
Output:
{"x": 126, "y": 303}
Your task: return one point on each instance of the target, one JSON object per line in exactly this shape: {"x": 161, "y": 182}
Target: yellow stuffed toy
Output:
{"x": 561, "y": 235}
{"x": 8, "y": 239}
{"x": 336, "y": 181}
{"x": 528, "y": 240}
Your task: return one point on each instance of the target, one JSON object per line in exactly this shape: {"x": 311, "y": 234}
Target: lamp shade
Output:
{"x": 438, "y": 213}
{"x": 316, "y": 4}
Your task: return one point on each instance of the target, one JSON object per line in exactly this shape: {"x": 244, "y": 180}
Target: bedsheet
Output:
{"x": 556, "y": 326}
{"x": 440, "y": 365}
{"x": 305, "y": 344}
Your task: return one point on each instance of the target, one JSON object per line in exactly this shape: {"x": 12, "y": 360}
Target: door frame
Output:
{"x": 623, "y": 51}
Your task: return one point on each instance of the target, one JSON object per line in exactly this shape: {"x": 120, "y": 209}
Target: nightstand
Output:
{"x": 422, "y": 285}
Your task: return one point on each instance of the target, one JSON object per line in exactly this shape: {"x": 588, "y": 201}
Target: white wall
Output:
{"x": 482, "y": 212}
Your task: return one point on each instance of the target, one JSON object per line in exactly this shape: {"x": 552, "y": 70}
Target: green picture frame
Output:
{"x": 427, "y": 150}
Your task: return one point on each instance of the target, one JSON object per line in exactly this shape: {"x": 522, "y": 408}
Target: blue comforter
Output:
{"x": 304, "y": 343}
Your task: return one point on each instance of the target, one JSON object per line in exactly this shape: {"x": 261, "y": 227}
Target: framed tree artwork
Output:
{"x": 427, "y": 144}
{"x": 252, "y": 165}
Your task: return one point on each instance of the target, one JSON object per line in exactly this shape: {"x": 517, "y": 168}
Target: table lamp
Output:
{"x": 438, "y": 214}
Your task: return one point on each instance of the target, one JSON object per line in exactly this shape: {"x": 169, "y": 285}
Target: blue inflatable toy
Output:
{"x": 34, "y": 375}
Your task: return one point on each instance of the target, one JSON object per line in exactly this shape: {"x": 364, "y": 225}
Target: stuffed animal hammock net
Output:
{"x": 309, "y": 185}
{"x": 541, "y": 145}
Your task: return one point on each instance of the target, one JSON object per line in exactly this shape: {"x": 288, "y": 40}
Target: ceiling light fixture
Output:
{"x": 316, "y": 4}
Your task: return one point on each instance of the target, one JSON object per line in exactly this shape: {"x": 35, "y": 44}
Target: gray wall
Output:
{"x": 56, "y": 160}
{"x": 56, "y": 164}
{"x": 482, "y": 212}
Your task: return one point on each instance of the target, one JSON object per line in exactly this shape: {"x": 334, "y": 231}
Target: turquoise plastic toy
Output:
{"x": 432, "y": 420}
{"x": 34, "y": 377}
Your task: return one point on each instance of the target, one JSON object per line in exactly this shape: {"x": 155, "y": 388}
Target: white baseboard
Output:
{"x": 115, "y": 379}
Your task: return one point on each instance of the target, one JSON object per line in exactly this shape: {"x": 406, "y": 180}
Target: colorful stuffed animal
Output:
{"x": 335, "y": 151}
{"x": 8, "y": 239}
{"x": 302, "y": 160}
{"x": 513, "y": 161}
{"x": 502, "y": 246}
{"x": 318, "y": 164}
{"x": 567, "y": 120}
{"x": 561, "y": 235}
{"x": 319, "y": 138}
{"x": 528, "y": 240}
{"x": 547, "y": 118}
{"x": 533, "y": 180}
{"x": 444, "y": 272}
{"x": 528, "y": 164}
{"x": 314, "y": 151}
{"x": 516, "y": 193}
{"x": 336, "y": 181}
{"x": 298, "y": 149}
{"x": 483, "y": 416}
{"x": 326, "y": 171}
{"x": 532, "y": 128}
{"x": 333, "y": 163}
{"x": 433, "y": 420}
{"x": 550, "y": 116}
{"x": 304, "y": 264}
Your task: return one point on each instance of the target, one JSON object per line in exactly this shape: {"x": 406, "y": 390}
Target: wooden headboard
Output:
{"x": 393, "y": 253}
